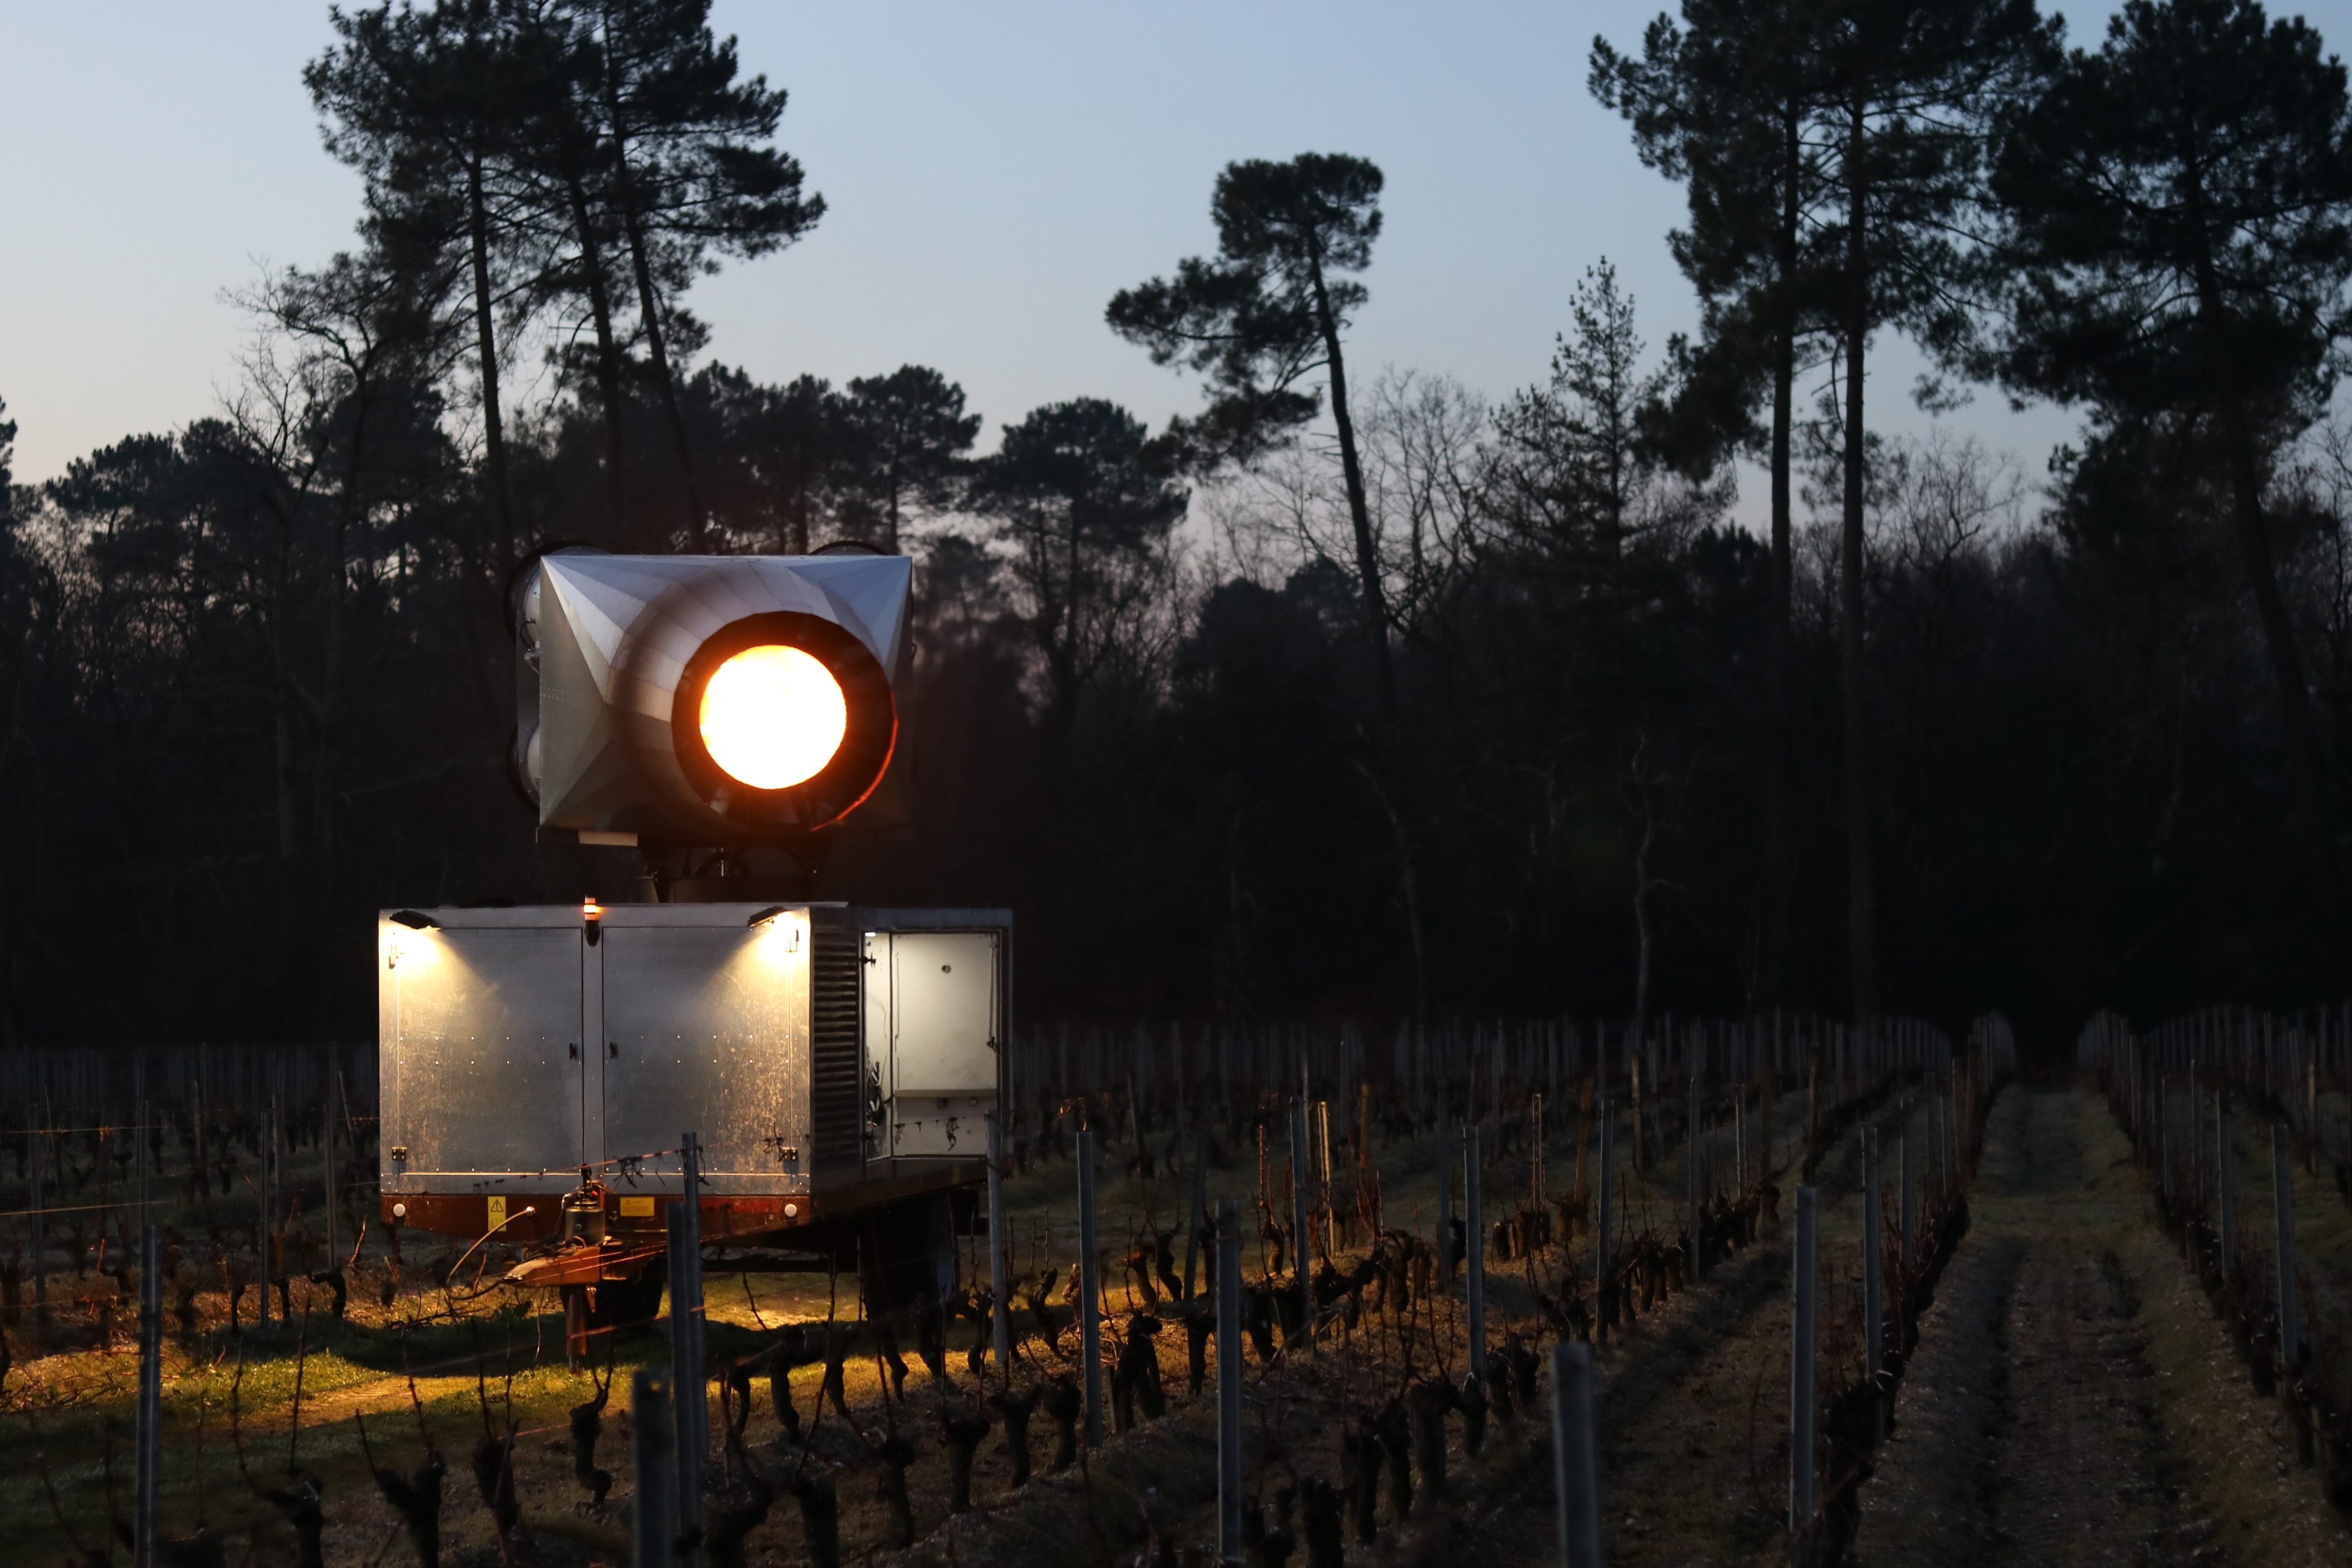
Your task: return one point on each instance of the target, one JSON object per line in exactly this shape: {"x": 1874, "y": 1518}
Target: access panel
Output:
{"x": 933, "y": 1019}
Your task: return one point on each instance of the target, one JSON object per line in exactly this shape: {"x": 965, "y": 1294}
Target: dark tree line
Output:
{"x": 1348, "y": 693}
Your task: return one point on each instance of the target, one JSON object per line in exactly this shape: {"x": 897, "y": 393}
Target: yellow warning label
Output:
{"x": 497, "y": 1215}
{"x": 637, "y": 1208}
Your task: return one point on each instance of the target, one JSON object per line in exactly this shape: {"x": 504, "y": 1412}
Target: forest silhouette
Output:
{"x": 1351, "y": 694}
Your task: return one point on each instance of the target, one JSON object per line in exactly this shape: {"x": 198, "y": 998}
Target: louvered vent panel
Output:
{"x": 836, "y": 1100}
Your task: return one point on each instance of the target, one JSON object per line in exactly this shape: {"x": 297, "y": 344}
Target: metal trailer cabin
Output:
{"x": 838, "y": 1064}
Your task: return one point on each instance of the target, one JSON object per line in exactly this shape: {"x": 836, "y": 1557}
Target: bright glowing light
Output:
{"x": 780, "y": 937}
{"x": 407, "y": 948}
{"x": 772, "y": 717}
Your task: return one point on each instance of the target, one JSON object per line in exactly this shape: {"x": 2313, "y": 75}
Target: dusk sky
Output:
{"x": 992, "y": 175}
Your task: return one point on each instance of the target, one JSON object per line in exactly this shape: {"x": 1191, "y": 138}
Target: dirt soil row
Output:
{"x": 2074, "y": 1399}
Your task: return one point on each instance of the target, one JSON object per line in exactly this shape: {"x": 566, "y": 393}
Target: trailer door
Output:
{"x": 485, "y": 1072}
{"x": 704, "y": 1032}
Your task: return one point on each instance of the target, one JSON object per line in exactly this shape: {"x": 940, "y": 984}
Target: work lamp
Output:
{"x": 705, "y": 699}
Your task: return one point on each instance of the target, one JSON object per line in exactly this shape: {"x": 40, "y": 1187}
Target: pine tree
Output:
{"x": 1909, "y": 86}
{"x": 1266, "y": 315}
{"x": 2179, "y": 213}
{"x": 905, "y": 437}
{"x": 425, "y": 106}
{"x": 689, "y": 178}
{"x": 1727, "y": 102}
{"x": 1074, "y": 494}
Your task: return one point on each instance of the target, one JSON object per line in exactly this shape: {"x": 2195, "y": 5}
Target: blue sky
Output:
{"x": 994, "y": 174}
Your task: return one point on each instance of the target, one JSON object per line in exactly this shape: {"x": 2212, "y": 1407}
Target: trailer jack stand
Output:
{"x": 577, "y": 1306}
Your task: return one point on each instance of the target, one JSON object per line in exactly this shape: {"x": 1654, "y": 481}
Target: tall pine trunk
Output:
{"x": 1359, "y": 513}
{"x": 1376, "y": 612}
{"x": 2301, "y": 734}
{"x": 649, "y": 308}
{"x": 1777, "y": 578}
{"x": 1862, "y": 914}
{"x": 608, "y": 354}
{"x": 493, "y": 433}
{"x": 1408, "y": 895}
{"x": 649, "y": 304}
